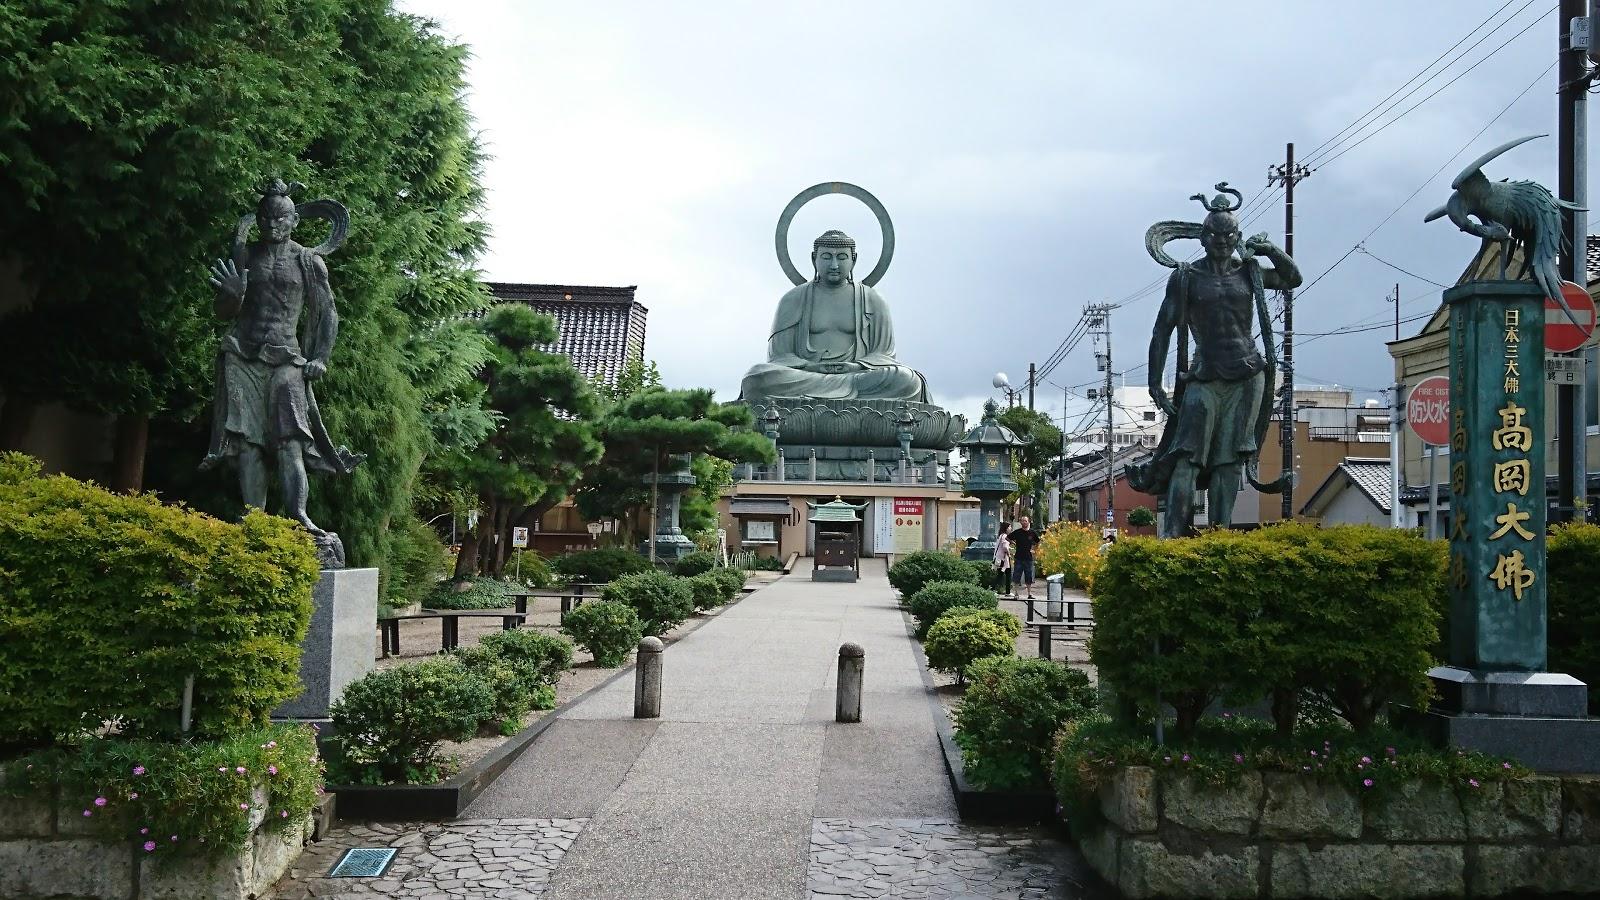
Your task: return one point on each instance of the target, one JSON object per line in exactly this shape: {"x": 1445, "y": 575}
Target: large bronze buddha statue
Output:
{"x": 832, "y": 338}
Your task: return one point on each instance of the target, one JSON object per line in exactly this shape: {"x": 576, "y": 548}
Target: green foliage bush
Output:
{"x": 202, "y": 792}
{"x": 599, "y": 566}
{"x": 911, "y": 573}
{"x": 662, "y": 601}
{"x": 108, "y": 601}
{"x": 1141, "y": 517}
{"x": 417, "y": 561}
{"x": 538, "y": 659}
{"x": 607, "y": 629}
{"x": 1007, "y": 723}
{"x": 532, "y": 568}
{"x": 1348, "y": 612}
{"x": 389, "y": 723}
{"x": 512, "y": 695}
{"x": 708, "y": 590}
{"x": 696, "y": 563}
{"x": 732, "y": 580}
{"x": 480, "y": 593}
{"x": 982, "y": 571}
{"x": 959, "y": 638}
{"x": 1573, "y": 562}
{"x": 931, "y": 601}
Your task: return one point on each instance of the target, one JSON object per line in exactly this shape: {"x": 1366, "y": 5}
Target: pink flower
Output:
{"x": 1305, "y": 768}
{"x": 149, "y": 846}
{"x": 272, "y": 743}
{"x": 144, "y": 831}
{"x": 1473, "y": 782}
{"x": 240, "y": 770}
{"x": 138, "y": 770}
{"x": 1505, "y": 765}
{"x": 222, "y": 769}
{"x": 133, "y": 796}
{"x": 316, "y": 727}
{"x": 244, "y": 806}
{"x": 99, "y": 801}
{"x": 1313, "y": 753}
{"x": 1367, "y": 782}
{"x": 283, "y": 814}
{"x": 87, "y": 814}
{"x": 1186, "y": 757}
{"x": 1366, "y": 760}
{"x": 174, "y": 839}
{"x": 1389, "y": 750}
{"x": 1238, "y": 758}
{"x": 272, "y": 770}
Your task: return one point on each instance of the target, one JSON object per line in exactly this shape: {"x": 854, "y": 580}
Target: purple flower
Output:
{"x": 174, "y": 839}
{"x": 1238, "y": 758}
{"x": 240, "y": 770}
{"x": 133, "y": 796}
{"x": 1366, "y": 760}
{"x": 1389, "y": 750}
{"x": 1505, "y": 765}
{"x": 272, "y": 743}
{"x": 149, "y": 846}
{"x": 1367, "y": 782}
{"x": 87, "y": 814}
{"x": 283, "y": 814}
{"x": 1473, "y": 782}
{"x": 144, "y": 831}
{"x": 1313, "y": 753}
{"x": 99, "y": 801}
{"x": 1186, "y": 757}
{"x": 137, "y": 770}
{"x": 272, "y": 770}
{"x": 244, "y": 806}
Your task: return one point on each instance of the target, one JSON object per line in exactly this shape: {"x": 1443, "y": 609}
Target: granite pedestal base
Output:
{"x": 669, "y": 546}
{"x": 338, "y": 648}
{"x": 1537, "y": 718}
{"x": 833, "y": 573}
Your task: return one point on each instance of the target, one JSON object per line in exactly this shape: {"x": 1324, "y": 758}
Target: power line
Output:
{"x": 1362, "y": 248}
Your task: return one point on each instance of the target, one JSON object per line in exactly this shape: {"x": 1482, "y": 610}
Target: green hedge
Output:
{"x": 599, "y": 566}
{"x": 389, "y": 724}
{"x": 1349, "y": 613}
{"x": 696, "y": 563}
{"x": 607, "y": 629}
{"x": 107, "y": 603}
{"x": 1573, "y": 561}
{"x": 662, "y": 601}
{"x": 1007, "y": 722}
{"x": 931, "y": 601}
{"x": 709, "y": 591}
{"x": 479, "y": 593}
{"x": 963, "y": 636}
{"x": 912, "y": 572}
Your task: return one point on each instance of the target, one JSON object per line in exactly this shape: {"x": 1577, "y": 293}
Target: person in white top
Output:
{"x": 1002, "y": 560}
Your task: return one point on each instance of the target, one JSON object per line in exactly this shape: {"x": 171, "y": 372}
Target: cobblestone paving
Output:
{"x": 914, "y": 858}
{"x": 469, "y": 859}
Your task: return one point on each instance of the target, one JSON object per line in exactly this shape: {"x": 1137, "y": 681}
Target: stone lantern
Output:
{"x": 989, "y": 476}
{"x": 838, "y": 540}
{"x": 771, "y": 423}
{"x": 671, "y": 542}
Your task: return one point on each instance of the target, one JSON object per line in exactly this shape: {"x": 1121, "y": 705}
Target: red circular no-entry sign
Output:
{"x": 1560, "y": 334}
{"x": 1428, "y": 410}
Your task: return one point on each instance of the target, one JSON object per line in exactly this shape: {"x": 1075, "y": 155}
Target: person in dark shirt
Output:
{"x": 1023, "y": 540}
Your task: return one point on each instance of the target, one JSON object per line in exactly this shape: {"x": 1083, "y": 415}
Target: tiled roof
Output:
{"x": 1370, "y": 476}
{"x": 1592, "y": 257}
{"x": 759, "y": 506}
{"x": 1094, "y": 474}
{"x": 602, "y": 329}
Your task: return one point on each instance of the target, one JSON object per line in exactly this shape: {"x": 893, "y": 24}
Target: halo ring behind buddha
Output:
{"x": 835, "y": 187}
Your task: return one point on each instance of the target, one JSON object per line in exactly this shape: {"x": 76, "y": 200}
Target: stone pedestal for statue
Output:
{"x": 859, "y": 440}
{"x": 338, "y": 645}
{"x": 1494, "y": 696}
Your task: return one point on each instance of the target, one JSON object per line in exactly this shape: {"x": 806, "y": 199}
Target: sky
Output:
{"x": 1022, "y": 149}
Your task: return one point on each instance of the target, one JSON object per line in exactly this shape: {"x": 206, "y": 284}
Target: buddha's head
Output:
{"x": 275, "y": 213}
{"x": 833, "y": 256}
{"x": 1219, "y": 234}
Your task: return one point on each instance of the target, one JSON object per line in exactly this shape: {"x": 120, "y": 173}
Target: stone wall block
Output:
{"x": 1368, "y": 870}
{"x": 1501, "y": 811}
{"x": 1416, "y": 811}
{"x": 227, "y": 877}
{"x": 1504, "y": 870}
{"x": 1129, "y": 800}
{"x": 1099, "y": 848}
{"x": 26, "y": 817}
{"x": 1580, "y": 808}
{"x": 273, "y": 852}
{"x": 1300, "y": 807}
{"x": 70, "y": 868}
{"x": 1214, "y": 808}
{"x": 1149, "y": 869}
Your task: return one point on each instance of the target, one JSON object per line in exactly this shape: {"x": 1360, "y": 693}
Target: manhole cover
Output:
{"x": 362, "y": 862}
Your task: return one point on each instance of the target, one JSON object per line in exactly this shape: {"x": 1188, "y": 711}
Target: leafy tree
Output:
{"x": 134, "y": 137}
{"x": 543, "y": 441}
{"x": 1032, "y": 460}
{"x": 642, "y": 431}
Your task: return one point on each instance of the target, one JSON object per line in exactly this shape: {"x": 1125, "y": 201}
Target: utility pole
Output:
{"x": 1100, "y": 320}
{"x": 1396, "y": 301}
{"x": 1030, "y": 387}
{"x": 1288, "y": 174}
{"x": 1572, "y": 77}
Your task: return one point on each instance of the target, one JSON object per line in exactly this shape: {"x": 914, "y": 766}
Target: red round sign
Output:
{"x": 1428, "y": 410}
{"x": 1560, "y": 334}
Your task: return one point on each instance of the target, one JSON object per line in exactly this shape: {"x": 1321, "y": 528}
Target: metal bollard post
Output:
{"x": 1044, "y": 641}
{"x": 647, "y": 680}
{"x": 852, "y": 672}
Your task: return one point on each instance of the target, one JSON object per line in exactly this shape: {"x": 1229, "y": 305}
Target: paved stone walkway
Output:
{"x": 745, "y": 788}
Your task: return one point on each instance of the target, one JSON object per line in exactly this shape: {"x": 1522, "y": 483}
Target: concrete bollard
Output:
{"x": 647, "y": 680}
{"x": 852, "y": 672}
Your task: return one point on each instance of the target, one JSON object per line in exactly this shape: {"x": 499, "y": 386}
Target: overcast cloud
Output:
{"x": 1022, "y": 150}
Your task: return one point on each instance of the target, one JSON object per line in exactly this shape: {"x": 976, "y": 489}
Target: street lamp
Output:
{"x": 1001, "y": 382}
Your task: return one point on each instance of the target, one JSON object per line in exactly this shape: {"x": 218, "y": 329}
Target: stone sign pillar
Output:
{"x": 338, "y": 645}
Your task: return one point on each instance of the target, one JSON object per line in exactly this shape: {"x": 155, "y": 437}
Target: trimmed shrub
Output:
{"x": 982, "y": 571}
{"x": 389, "y": 723}
{"x": 961, "y": 637}
{"x": 608, "y": 630}
{"x": 732, "y": 582}
{"x": 108, "y": 602}
{"x": 1006, "y": 724}
{"x": 929, "y": 603}
{"x": 697, "y": 563}
{"x": 911, "y": 573}
{"x": 1348, "y": 612}
{"x": 662, "y": 601}
{"x": 1072, "y": 550}
{"x": 1005, "y": 621}
{"x": 531, "y": 568}
{"x": 417, "y": 560}
{"x": 539, "y": 659}
{"x": 512, "y": 695}
{"x": 1573, "y": 562}
{"x": 479, "y": 593}
{"x": 1141, "y": 517}
{"x": 599, "y": 566}
{"x": 708, "y": 590}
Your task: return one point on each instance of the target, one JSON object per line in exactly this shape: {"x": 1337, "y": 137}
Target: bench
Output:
{"x": 572, "y": 595}
{"x": 1047, "y": 626}
{"x": 450, "y": 626}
